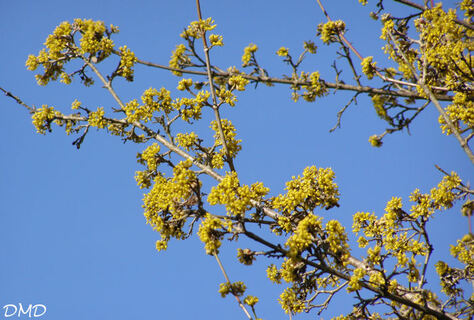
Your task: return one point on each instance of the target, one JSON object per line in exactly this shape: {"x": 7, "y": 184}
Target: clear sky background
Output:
{"x": 72, "y": 233}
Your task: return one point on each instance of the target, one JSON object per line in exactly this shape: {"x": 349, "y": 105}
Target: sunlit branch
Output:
{"x": 417, "y": 6}
{"x": 405, "y": 297}
{"x": 228, "y": 281}
{"x": 331, "y": 85}
{"x": 215, "y": 107}
{"x": 18, "y": 100}
{"x": 429, "y": 92}
{"x": 384, "y": 78}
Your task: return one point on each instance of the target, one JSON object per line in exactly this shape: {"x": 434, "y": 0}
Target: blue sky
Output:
{"x": 72, "y": 233}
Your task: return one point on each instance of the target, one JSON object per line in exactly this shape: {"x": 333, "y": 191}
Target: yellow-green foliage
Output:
{"x": 237, "y": 199}
{"x": 368, "y": 67}
{"x": 315, "y": 188}
{"x": 315, "y": 255}
{"x": 330, "y": 30}
{"x": 248, "y": 53}
{"x": 60, "y": 48}
{"x": 209, "y": 233}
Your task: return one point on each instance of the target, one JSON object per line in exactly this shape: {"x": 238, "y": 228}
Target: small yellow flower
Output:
{"x": 282, "y": 52}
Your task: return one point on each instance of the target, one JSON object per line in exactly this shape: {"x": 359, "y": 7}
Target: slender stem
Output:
{"x": 338, "y": 86}
{"x": 215, "y": 107}
{"x": 107, "y": 84}
{"x": 228, "y": 281}
{"x": 18, "y": 100}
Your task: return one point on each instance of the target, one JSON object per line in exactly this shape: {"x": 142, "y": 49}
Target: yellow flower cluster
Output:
{"x": 60, "y": 48}
{"x": 246, "y": 256}
{"x": 216, "y": 40}
{"x": 365, "y": 221}
{"x": 96, "y": 118}
{"x": 368, "y": 67}
{"x": 284, "y": 224}
{"x": 310, "y": 47}
{"x": 291, "y": 269}
{"x": 274, "y": 274}
{"x": 406, "y": 69}
{"x": 468, "y": 7}
{"x": 149, "y": 156}
{"x": 226, "y": 96}
{"x": 43, "y": 117}
{"x": 248, "y": 53}
{"x": 441, "y": 268}
{"x": 464, "y": 250}
{"x": 373, "y": 255}
{"x": 439, "y": 198}
{"x": 448, "y": 279}
{"x": 282, "y": 52}
{"x": 445, "y": 44}
{"x": 237, "y": 199}
{"x": 461, "y": 113}
{"x": 237, "y": 289}
{"x": 379, "y": 101}
{"x": 186, "y": 140}
{"x": 210, "y": 235}
{"x": 167, "y": 196}
{"x": 197, "y": 28}
{"x": 93, "y": 37}
{"x": 127, "y": 61}
{"x": 179, "y": 59}
{"x": 316, "y": 89}
{"x": 329, "y": 30}
{"x": 75, "y": 104}
{"x": 233, "y": 145}
{"x": 393, "y": 236}
{"x": 250, "y": 300}
{"x": 57, "y": 42}
{"x": 237, "y": 82}
{"x": 143, "y": 179}
{"x": 161, "y": 245}
{"x": 290, "y": 302}
{"x": 185, "y": 84}
{"x": 65, "y": 78}
{"x": 315, "y": 188}
{"x": 376, "y": 279}
{"x": 191, "y": 108}
{"x": 153, "y": 101}
{"x": 357, "y": 276}
{"x": 337, "y": 239}
{"x": 375, "y": 141}
{"x": 52, "y": 57}
{"x": 305, "y": 234}
{"x": 363, "y": 2}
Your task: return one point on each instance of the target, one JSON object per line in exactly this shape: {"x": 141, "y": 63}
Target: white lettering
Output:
{"x": 36, "y": 309}
{"x": 6, "y": 307}
{"x": 24, "y": 311}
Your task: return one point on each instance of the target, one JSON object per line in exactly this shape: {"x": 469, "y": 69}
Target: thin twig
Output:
{"x": 215, "y": 107}
{"x": 18, "y": 100}
{"x": 228, "y": 281}
{"x": 331, "y": 85}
